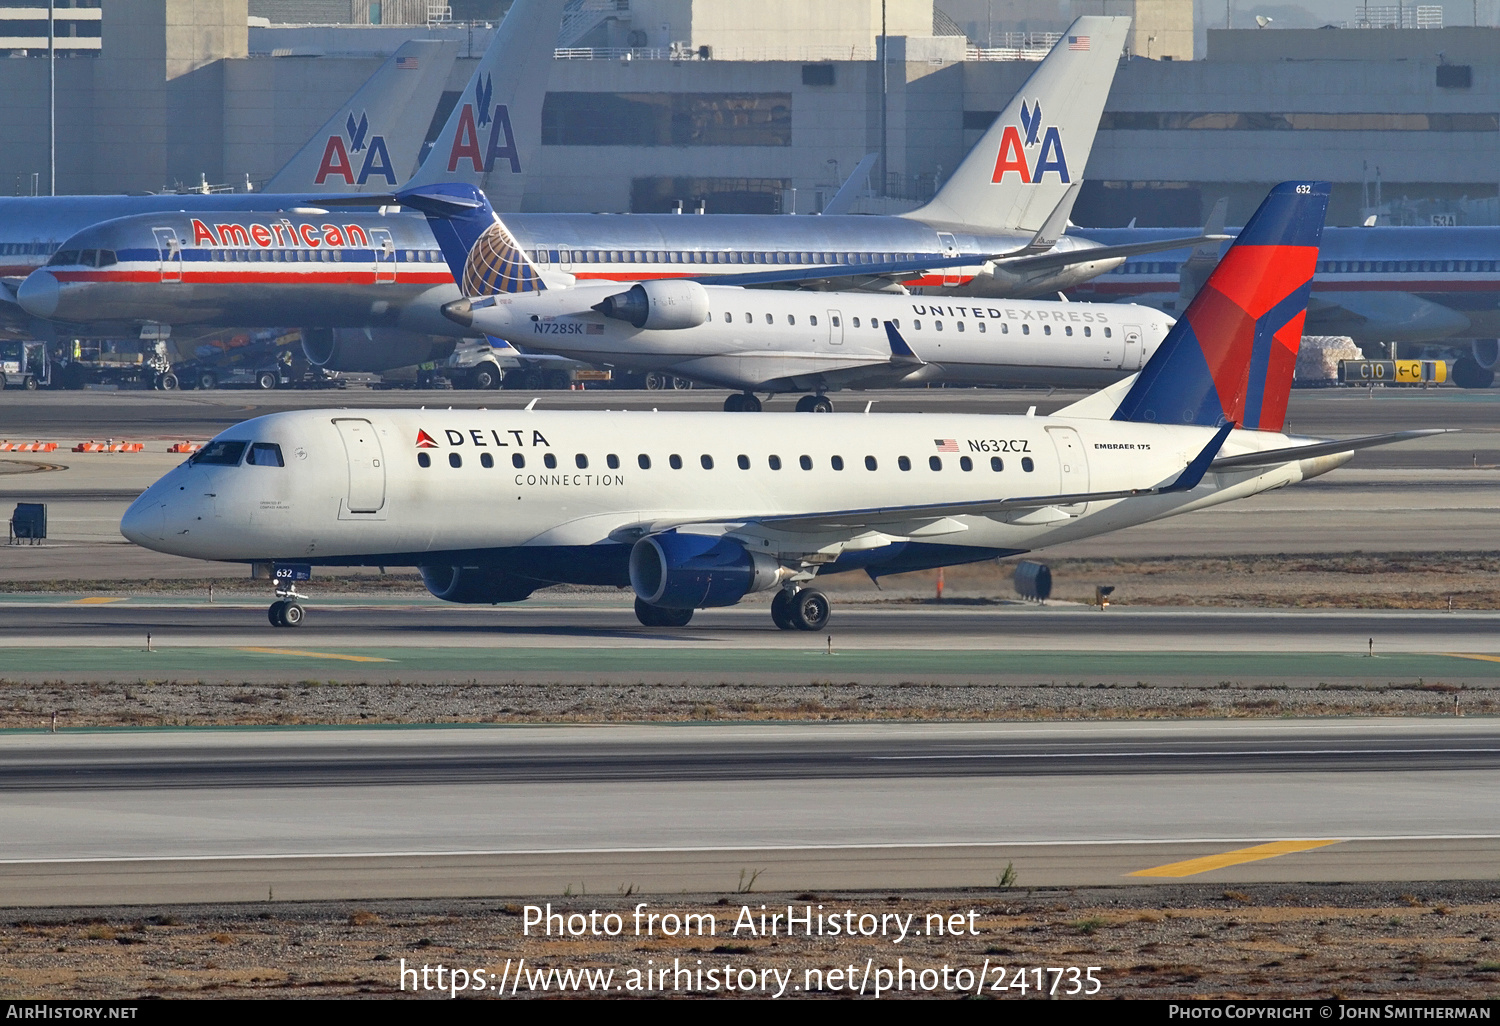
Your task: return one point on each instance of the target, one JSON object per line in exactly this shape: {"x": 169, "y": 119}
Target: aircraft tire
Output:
{"x": 276, "y": 614}
{"x": 681, "y": 384}
{"x": 292, "y": 615}
{"x": 734, "y": 402}
{"x": 809, "y": 610}
{"x": 822, "y": 404}
{"x": 655, "y": 381}
{"x": 805, "y": 404}
{"x": 1468, "y": 373}
{"x": 781, "y": 614}
{"x": 752, "y": 404}
{"x": 485, "y": 377}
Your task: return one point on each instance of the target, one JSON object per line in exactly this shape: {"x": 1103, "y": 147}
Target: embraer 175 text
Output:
{"x": 695, "y": 510}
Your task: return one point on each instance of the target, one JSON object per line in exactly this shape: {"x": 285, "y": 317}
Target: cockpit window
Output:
{"x": 63, "y": 258}
{"x": 264, "y": 454}
{"x": 220, "y": 454}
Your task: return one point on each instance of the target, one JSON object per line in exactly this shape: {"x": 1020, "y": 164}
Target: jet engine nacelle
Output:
{"x": 696, "y": 571}
{"x": 475, "y": 584}
{"x": 1487, "y": 353}
{"x": 371, "y": 350}
{"x": 659, "y": 304}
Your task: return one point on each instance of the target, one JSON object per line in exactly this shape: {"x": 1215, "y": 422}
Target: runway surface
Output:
{"x": 233, "y": 815}
{"x": 370, "y": 640}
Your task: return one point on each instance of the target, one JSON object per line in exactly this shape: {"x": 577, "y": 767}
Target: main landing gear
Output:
{"x": 659, "y": 616}
{"x": 805, "y": 609}
{"x": 815, "y": 404}
{"x": 741, "y": 402}
{"x": 287, "y": 610}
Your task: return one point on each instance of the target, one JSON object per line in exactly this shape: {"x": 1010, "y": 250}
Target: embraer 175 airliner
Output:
{"x": 696, "y": 510}
{"x": 774, "y": 340}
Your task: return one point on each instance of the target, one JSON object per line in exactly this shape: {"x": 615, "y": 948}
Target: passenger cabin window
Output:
{"x": 549, "y": 461}
{"x": 517, "y": 460}
{"x": 1027, "y": 465}
{"x": 856, "y": 322}
{"x": 743, "y": 462}
{"x": 805, "y": 462}
{"x": 1088, "y": 332}
{"x": 870, "y": 463}
{"x": 774, "y": 462}
{"x": 965, "y": 464}
{"x": 903, "y": 462}
{"x": 935, "y": 462}
{"x": 265, "y": 454}
{"x": 455, "y": 460}
{"x": 1067, "y": 331}
{"x": 486, "y": 460}
{"x": 643, "y": 461}
{"x": 813, "y": 320}
{"x": 1026, "y": 329}
{"x": 837, "y": 462}
{"x": 1046, "y": 329}
{"x": 706, "y": 461}
{"x": 982, "y": 327}
{"x": 612, "y": 461}
{"x": 219, "y": 454}
{"x": 424, "y": 460}
{"x": 675, "y": 461}
{"x": 997, "y": 464}
{"x": 581, "y": 461}
{"x": 1107, "y": 333}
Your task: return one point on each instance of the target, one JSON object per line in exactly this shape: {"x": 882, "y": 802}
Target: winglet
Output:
{"x": 899, "y": 349}
{"x": 1194, "y": 471}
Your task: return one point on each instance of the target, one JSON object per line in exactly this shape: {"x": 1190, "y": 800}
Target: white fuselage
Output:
{"x": 565, "y": 494}
{"x": 779, "y": 340}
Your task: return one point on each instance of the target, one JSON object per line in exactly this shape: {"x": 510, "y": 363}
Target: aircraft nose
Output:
{"x": 38, "y": 294}
{"x": 145, "y": 522}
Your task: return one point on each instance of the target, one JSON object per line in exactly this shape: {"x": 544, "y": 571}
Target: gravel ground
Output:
{"x": 577, "y": 700}
{"x": 1176, "y": 941}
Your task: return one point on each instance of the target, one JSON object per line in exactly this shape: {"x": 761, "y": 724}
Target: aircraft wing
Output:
{"x": 859, "y": 179}
{"x": 1046, "y": 261}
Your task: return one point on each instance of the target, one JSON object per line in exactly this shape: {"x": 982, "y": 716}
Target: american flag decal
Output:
{"x": 406, "y": 63}
{"x": 1078, "y": 42}
{"x": 945, "y": 444}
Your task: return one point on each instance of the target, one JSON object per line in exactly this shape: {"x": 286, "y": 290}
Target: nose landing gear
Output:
{"x": 287, "y": 610}
{"x": 803, "y": 609}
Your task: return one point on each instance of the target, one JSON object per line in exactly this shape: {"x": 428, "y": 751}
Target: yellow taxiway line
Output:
{"x": 317, "y": 655}
{"x": 1193, "y": 867}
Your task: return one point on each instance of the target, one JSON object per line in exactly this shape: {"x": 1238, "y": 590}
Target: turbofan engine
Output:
{"x": 371, "y": 350}
{"x": 659, "y": 304}
{"x": 695, "y": 571}
{"x": 475, "y": 584}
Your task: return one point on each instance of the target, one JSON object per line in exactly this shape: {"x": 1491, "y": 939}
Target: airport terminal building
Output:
{"x": 656, "y": 103}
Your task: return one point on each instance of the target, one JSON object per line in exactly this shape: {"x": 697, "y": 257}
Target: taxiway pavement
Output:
{"x": 243, "y": 815}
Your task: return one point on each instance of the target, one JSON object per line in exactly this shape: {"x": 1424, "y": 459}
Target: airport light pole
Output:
{"x": 885, "y": 164}
{"x": 52, "y": 95}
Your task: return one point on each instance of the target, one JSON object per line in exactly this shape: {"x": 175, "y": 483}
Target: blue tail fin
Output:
{"x": 482, "y": 254}
{"x": 1231, "y": 356}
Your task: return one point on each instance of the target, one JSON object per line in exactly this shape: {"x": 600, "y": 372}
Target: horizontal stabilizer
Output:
{"x": 1270, "y": 457}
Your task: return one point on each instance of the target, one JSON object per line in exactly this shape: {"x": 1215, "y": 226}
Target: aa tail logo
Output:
{"x": 337, "y": 163}
{"x": 502, "y": 141}
{"x": 357, "y": 131}
{"x": 1012, "y": 155}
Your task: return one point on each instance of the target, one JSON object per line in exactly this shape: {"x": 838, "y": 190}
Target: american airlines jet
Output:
{"x": 698, "y": 510}
{"x": 375, "y": 136}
